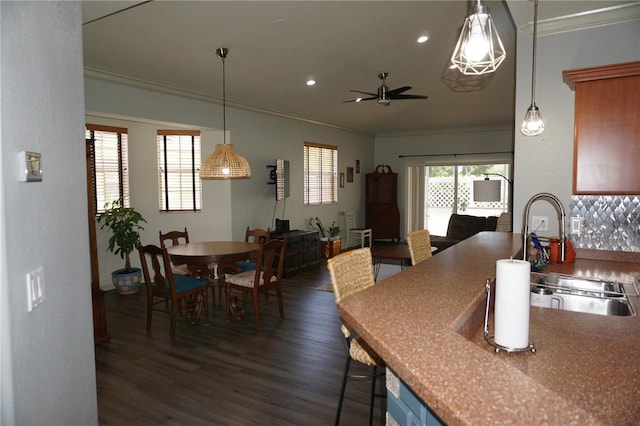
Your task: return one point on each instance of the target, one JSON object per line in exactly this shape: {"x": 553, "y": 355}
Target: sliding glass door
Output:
{"x": 436, "y": 191}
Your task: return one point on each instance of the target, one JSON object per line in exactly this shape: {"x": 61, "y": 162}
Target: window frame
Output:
{"x": 101, "y": 167}
{"x": 320, "y": 174}
{"x": 166, "y": 203}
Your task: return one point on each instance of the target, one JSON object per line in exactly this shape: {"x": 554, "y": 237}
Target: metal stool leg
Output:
{"x": 373, "y": 394}
{"x": 344, "y": 386}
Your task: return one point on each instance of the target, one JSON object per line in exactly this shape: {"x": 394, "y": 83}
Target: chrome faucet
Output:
{"x": 556, "y": 200}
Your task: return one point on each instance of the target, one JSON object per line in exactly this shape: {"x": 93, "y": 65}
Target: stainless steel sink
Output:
{"x": 586, "y": 295}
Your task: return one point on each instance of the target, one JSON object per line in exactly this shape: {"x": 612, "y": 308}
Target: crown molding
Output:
{"x": 587, "y": 19}
{"x": 170, "y": 90}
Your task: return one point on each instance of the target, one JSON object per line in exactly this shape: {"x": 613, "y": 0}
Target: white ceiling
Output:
{"x": 274, "y": 47}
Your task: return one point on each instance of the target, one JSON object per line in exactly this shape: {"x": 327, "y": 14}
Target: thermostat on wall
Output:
{"x": 30, "y": 166}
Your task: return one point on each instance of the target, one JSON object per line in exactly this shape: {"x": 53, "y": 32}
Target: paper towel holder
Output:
{"x": 490, "y": 340}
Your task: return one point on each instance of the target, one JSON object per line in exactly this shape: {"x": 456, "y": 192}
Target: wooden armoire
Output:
{"x": 382, "y": 214}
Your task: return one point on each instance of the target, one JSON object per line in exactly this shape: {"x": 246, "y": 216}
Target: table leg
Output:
{"x": 233, "y": 305}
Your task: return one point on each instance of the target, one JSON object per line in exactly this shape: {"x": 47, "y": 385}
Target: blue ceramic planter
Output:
{"x": 127, "y": 283}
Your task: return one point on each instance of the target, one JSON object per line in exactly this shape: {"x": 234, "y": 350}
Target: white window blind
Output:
{"x": 320, "y": 174}
{"x": 110, "y": 164}
{"x": 179, "y": 184}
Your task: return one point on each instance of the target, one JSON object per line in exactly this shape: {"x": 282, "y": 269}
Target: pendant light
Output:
{"x": 532, "y": 125}
{"x": 225, "y": 162}
{"x": 479, "y": 49}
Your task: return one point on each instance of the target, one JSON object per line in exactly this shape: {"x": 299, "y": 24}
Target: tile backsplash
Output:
{"x": 609, "y": 222}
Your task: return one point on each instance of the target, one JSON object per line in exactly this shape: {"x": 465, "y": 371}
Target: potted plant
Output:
{"x": 329, "y": 239}
{"x": 125, "y": 226}
{"x": 334, "y": 231}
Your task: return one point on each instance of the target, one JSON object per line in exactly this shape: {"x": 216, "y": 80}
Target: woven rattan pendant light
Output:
{"x": 225, "y": 162}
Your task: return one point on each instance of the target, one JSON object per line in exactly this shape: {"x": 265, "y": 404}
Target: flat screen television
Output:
{"x": 282, "y": 180}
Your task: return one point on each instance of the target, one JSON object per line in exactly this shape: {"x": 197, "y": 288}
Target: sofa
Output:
{"x": 463, "y": 226}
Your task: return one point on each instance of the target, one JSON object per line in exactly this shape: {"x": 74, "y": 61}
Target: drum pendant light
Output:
{"x": 533, "y": 124}
{"x": 225, "y": 162}
{"x": 479, "y": 49}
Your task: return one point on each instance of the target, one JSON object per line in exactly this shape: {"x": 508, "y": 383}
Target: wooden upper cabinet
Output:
{"x": 606, "y": 153}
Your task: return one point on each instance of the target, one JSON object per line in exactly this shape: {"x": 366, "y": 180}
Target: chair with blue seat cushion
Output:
{"x": 255, "y": 235}
{"x": 182, "y": 237}
{"x": 176, "y": 237}
{"x": 162, "y": 284}
{"x": 266, "y": 277}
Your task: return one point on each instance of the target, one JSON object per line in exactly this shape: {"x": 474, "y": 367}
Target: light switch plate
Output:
{"x": 35, "y": 288}
{"x": 540, "y": 223}
{"x": 576, "y": 225}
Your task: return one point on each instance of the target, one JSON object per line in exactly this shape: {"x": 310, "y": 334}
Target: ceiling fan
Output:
{"x": 385, "y": 95}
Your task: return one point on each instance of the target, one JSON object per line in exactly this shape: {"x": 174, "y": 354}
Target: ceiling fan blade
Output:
{"x": 398, "y": 90}
{"x": 408, "y": 97}
{"x": 364, "y": 93}
{"x": 384, "y": 95}
{"x": 361, "y": 99}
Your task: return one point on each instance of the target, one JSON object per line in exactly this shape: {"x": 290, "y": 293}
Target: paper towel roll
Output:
{"x": 512, "y": 303}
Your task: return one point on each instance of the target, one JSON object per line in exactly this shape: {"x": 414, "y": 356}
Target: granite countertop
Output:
{"x": 426, "y": 323}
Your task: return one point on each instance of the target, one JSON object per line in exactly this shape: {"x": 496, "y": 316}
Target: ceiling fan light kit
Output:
{"x": 384, "y": 95}
{"x": 533, "y": 125}
{"x": 224, "y": 162}
{"x": 479, "y": 49}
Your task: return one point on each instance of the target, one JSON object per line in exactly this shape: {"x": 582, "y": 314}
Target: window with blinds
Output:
{"x": 320, "y": 174}
{"x": 110, "y": 164}
{"x": 179, "y": 184}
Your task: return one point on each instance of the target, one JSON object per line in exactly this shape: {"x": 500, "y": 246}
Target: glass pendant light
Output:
{"x": 224, "y": 162}
{"x": 479, "y": 49}
{"x": 533, "y": 124}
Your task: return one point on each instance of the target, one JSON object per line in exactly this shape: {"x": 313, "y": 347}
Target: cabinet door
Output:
{"x": 607, "y": 129}
{"x": 607, "y": 139}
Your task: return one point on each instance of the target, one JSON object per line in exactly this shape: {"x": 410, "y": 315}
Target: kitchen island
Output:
{"x": 426, "y": 323}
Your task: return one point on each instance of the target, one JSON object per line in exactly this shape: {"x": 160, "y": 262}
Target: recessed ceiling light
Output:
{"x": 423, "y": 38}
{"x": 311, "y": 82}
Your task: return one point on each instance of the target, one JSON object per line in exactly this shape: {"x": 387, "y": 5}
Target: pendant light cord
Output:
{"x": 533, "y": 66}
{"x": 224, "y": 103}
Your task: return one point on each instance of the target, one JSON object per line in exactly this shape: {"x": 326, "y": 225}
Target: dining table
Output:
{"x": 207, "y": 252}
{"x": 200, "y": 256}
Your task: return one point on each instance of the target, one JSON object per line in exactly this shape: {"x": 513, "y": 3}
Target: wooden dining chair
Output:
{"x": 419, "y": 245}
{"x": 255, "y": 235}
{"x": 175, "y": 237}
{"x": 182, "y": 237}
{"x": 162, "y": 284}
{"x": 350, "y": 273}
{"x": 266, "y": 277}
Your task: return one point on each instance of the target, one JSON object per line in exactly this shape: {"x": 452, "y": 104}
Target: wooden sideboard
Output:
{"x": 302, "y": 252}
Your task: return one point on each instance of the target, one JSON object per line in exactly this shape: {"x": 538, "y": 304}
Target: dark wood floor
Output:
{"x": 228, "y": 373}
